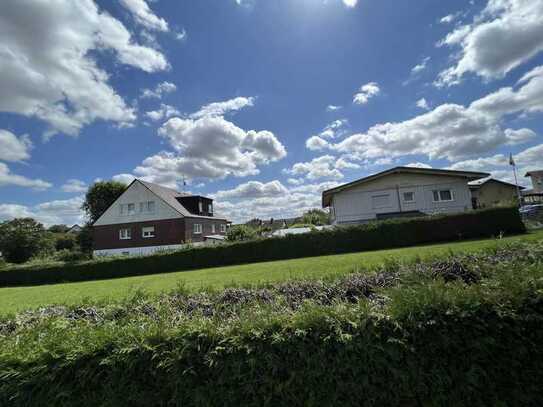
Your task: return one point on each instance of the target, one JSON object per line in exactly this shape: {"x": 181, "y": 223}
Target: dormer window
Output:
{"x": 210, "y": 207}
{"x": 200, "y": 206}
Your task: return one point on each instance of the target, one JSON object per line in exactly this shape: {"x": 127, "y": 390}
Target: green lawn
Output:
{"x": 13, "y": 299}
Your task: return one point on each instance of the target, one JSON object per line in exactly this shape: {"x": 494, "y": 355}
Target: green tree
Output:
{"x": 23, "y": 238}
{"x": 316, "y": 217}
{"x": 84, "y": 239}
{"x": 59, "y": 229}
{"x": 241, "y": 232}
{"x": 100, "y": 196}
{"x": 65, "y": 241}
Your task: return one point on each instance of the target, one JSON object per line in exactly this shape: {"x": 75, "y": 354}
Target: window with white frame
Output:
{"x": 443, "y": 195}
{"x": 409, "y": 196}
{"x": 212, "y": 228}
{"x": 223, "y": 228}
{"x": 125, "y": 234}
{"x": 147, "y": 207}
{"x": 197, "y": 228}
{"x": 131, "y": 209}
{"x": 147, "y": 232}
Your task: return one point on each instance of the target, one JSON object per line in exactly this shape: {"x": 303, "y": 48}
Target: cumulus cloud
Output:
{"x": 294, "y": 201}
{"x": 209, "y": 148}
{"x": 498, "y": 164}
{"x": 74, "y": 186}
{"x": 451, "y": 131}
{"x": 254, "y": 189}
{"x": 333, "y": 108}
{"x": 13, "y": 148}
{"x": 8, "y": 178}
{"x": 423, "y": 104}
{"x": 450, "y": 18}
{"x": 66, "y": 212}
{"x": 366, "y": 92}
{"x": 221, "y": 108}
{"x": 143, "y": 15}
{"x": 160, "y": 90}
{"x": 326, "y": 166}
{"x": 48, "y": 65}
{"x": 516, "y": 25}
{"x": 164, "y": 112}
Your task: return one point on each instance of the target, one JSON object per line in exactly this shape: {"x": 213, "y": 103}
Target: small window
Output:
{"x": 223, "y": 228}
{"x": 409, "y": 197}
{"x": 131, "y": 209}
{"x": 148, "y": 232}
{"x": 443, "y": 195}
{"x": 200, "y": 206}
{"x": 210, "y": 208}
{"x": 197, "y": 228}
{"x": 151, "y": 206}
{"x": 125, "y": 234}
{"x": 212, "y": 228}
{"x": 122, "y": 209}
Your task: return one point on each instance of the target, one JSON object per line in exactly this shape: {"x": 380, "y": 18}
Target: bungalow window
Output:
{"x": 197, "y": 228}
{"x": 125, "y": 234}
{"x": 212, "y": 228}
{"x": 223, "y": 228}
{"x": 409, "y": 197}
{"x": 380, "y": 201}
{"x": 148, "y": 232}
{"x": 443, "y": 195}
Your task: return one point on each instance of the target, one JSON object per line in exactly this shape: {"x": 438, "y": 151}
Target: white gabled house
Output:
{"x": 399, "y": 192}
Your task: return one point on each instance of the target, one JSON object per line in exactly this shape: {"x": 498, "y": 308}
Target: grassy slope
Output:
{"x": 15, "y": 299}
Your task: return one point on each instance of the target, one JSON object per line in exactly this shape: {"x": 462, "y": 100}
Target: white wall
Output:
{"x": 142, "y": 251}
{"x": 135, "y": 194}
{"x": 357, "y": 204}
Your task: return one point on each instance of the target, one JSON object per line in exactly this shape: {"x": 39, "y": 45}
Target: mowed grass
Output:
{"x": 14, "y": 299}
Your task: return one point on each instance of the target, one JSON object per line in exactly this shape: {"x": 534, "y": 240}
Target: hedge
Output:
{"x": 479, "y": 355}
{"x": 372, "y": 236}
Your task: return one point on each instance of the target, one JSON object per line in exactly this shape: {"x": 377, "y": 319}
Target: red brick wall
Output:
{"x": 167, "y": 232}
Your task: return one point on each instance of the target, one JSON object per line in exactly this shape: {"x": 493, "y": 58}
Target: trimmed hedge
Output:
{"x": 464, "y": 356}
{"x": 372, "y": 236}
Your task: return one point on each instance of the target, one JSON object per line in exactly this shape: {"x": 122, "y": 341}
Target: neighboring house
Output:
{"x": 534, "y": 195}
{"x": 297, "y": 231}
{"x": 487, "y": 192}
{"x": 75, "y": 229}
{"x": 148, "y": 217}
{"x": 399, "y": 192}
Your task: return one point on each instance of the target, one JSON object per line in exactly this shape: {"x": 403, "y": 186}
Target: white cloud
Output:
{"x": 418, "y": 165}
{"x": 295, "y": 181}
{"x": 13, "y": 148}
{"x": 160, "y": 90}
{"x": 290, "y": 203}
{"x": 366, "y": 92}
{"x": 506, "y": 34}
{"x": 164, "y": 112}
{"x": 222, "y": 108}
{"x": 529, "y": 159}
{"x": 254, "y": 189}
{"x": 144, "y": 16}
{"x": 420, "y": 67}
{"x": 74, "y": 185}
{"x": 423, "y": 104}
{"x": 48, "y": 66}
{"x": 209, "y": 148}
{"x": 333, "y": 108}
{"x": 325, "y": 166}
{"x": 350, "y": 3}
{"x": 451, "y": 131}
{"x": 49, "y": 213}
{"x": 316, "y": 143}
{"x": 9, "y": 178}
{"x": 449, "y": 18}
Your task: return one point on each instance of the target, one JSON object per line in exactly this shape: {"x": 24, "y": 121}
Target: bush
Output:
{"x": 70, "y": 256}
{"x": 240, "y": 233}
{"x": 22, "y": 239}
{"x": 374, "y": 236}
{"x": 65, "y": 241}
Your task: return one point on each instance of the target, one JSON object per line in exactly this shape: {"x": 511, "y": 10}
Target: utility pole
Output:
{"x": 514, "y": 165}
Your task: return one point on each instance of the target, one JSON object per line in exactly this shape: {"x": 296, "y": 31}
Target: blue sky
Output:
{"x": 260, "y": 104}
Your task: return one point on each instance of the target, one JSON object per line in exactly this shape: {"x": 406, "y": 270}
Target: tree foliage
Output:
{"x": 316, "y": 217}
{"x": 23, "y": 238}
{"x": 241, "y": 232}
{"x": 100, "y": 196}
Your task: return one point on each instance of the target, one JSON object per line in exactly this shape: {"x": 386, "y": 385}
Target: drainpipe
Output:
{"x": 399, "y": 200}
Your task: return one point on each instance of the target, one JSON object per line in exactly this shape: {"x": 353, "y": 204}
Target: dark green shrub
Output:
{"x": 374, "y": 236}
{"x": 65, "y": 241}
{"x": 22, "y": 239}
